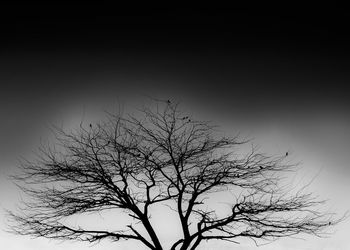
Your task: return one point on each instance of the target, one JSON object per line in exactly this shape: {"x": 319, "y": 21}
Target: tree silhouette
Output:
{"x": 162, "y": 157}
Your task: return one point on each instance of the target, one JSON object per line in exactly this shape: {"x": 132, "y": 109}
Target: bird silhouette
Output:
{"x": 90, "y": 125}
{"x": 287, "y": 153}
{"x": 329, "y": 223}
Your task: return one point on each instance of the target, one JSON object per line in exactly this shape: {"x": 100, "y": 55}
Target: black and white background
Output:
{"x": 278, "y": 77}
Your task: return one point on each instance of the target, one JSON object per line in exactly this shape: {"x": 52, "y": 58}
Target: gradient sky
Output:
{"x": 278, "y": 78}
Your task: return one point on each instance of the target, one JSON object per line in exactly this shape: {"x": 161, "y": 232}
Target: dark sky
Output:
{"x": 261, "y": 71}
{"x": 252, "y": 63}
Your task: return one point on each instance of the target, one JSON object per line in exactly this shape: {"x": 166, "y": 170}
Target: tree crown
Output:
{"x": 162, "y": 157}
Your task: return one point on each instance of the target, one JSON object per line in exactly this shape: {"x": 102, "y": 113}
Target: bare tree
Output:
{"x": 161, "y": 158}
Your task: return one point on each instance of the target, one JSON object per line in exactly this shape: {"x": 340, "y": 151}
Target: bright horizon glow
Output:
{"x": 272, "y": 140}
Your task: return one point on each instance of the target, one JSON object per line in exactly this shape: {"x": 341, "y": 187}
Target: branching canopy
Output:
{"x": 162, "y": 157}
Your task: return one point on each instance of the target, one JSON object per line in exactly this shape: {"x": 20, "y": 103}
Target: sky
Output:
{"x": 278, "y": 78}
